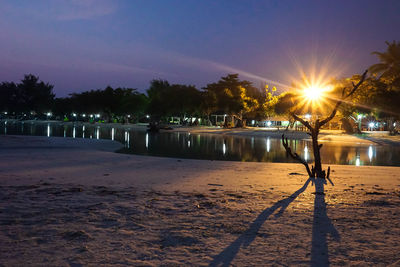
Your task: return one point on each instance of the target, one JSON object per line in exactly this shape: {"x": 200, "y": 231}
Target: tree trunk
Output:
{"x": 317, "y": 156}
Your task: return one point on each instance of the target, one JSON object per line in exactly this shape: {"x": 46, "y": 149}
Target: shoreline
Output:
{"x": 367, "y": 138}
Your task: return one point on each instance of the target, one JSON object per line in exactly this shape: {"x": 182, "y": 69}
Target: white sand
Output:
{"x": 66, "y": 202}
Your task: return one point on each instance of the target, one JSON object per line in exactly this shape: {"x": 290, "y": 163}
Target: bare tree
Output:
{"x": 314, "y": 128}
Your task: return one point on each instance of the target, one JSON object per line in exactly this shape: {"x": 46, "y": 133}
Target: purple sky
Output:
{"x": 80, "y": 45}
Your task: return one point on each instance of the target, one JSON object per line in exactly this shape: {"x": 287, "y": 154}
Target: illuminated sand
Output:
{"x": 74, "y": 201}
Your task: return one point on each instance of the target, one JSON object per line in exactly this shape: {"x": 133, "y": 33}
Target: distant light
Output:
{"x": 84, "y": 115}
{"x": 225, "y": 115}
{"x": 129, "y": 116}
{"x": 97, "y": 115}
{"x": 269, "y": 123}
{"x": 370, "y": 153}
{"x": 74, "y": 114}
{"x": 48, "y": 114}
{"x": 394, "y": 124}
{"x": 308, "y": 116}
{"x": 127, "y": 138}
{"x": 91, "y": 115}
{"x": 5, "y": 112}
{"x": 306, "y": 153}
{"x": 371, "y": 125}
{"x": 147, "y": 116}
{"x": 252, "y": 122}
{"x": 359, "y": 116}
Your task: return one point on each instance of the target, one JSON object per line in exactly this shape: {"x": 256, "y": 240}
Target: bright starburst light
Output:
{"x": 315, "y": 92}
{"x": 312, "y": 93}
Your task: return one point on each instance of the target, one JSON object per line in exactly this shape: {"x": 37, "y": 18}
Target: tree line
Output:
{"x": 241, "y": 100}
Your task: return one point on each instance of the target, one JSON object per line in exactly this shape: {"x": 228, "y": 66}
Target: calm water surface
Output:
{"x": 208, "y": 146}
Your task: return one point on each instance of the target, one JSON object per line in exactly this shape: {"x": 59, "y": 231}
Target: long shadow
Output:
{"x": 322, "y": 226}
{"x": 228, "y": 254}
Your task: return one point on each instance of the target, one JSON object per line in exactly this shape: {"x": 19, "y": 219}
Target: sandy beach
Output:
{"x": 74, "y": 202}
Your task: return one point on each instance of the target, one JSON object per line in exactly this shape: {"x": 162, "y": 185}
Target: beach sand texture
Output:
{"x": 72, "y": 202}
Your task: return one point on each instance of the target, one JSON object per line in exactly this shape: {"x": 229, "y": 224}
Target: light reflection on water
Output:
{"x": 370, "y": 153}
{"x": 215, "y": 147}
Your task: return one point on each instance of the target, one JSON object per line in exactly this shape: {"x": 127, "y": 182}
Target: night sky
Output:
{"x": 80, "y": 45}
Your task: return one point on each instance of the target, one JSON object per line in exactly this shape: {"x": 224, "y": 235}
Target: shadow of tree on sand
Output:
{"x": 322, "y": 226}
{"x": 228, "y": 254}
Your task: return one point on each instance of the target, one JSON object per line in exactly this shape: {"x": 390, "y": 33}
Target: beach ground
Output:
{"x": 72, "y": 202}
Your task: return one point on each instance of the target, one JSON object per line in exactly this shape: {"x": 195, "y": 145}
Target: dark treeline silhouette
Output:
{"x": 113, "y": 105}
{"x": 28, "y": 96}
{"x": 238, "y": 101}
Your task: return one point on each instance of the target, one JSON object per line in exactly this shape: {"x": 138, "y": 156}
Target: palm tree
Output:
{"x": 389, "y": 66}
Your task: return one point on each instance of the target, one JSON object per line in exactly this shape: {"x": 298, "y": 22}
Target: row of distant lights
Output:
{"x": 269, "y": 123}
{"x": 84, "y": 115}
{"x": 49, "y": 114}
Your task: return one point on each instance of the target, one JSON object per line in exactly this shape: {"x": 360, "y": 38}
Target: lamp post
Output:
{"x": 359, "y": 118}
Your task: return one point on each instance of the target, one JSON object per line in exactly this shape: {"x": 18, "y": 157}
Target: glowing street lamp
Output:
{"x": 371, "y": 125}
{"x": 312, "y": 93}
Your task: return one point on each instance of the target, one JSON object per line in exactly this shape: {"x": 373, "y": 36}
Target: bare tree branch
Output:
{"x": 355, "y": 87}
{"x": 295, "y": 155}
{"x": 305, "y": 123}
{"x": 335, "y": 109}
{"x": 332, "y": 115}
{"x": 316, "y": 169}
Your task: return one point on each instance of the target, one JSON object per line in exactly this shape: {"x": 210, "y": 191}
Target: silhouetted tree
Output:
{"x": 38, "y": 96}
{"x": 235, "y": 97}
{"x": 314, "y": 128}
{"x": 10, "y": 97}
{"x": 173, "y": 100}
{"x": 379, "y": 95}
{"x": 157, "y": 98}
{"x": 208, "y": 104}
{"x": 28, "y": 95}
{"x": 113, "y": 104}
{"x": 388, "y": 70}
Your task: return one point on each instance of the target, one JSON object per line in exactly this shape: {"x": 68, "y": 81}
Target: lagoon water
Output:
{"x": 209, "y": 146}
